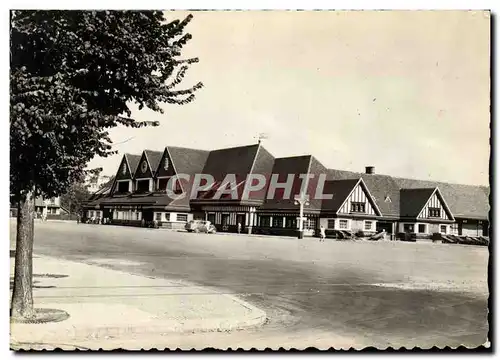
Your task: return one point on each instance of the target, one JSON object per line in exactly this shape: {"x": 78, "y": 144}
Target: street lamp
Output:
{"x": 301, "y": 200}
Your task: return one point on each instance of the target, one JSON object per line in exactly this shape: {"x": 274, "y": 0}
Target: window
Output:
{"x": 167, "y": 216}
{"x": 310, "y": 224}
{"x": 162, "y": 185}
{"x": 343, "y": 224}
{"x": 443, "y": 229}
{"x": 123, "y": 186}
{"x": 158, "y": 216}
{"x": 291, "y": 222}
{"x": 434, "y": 212}
{"x": 53, "y": 211}
{"x": 358, "y": 207}
{"x": 225, "y": 219}
{"x": 182, "y": 217}
{"x": 91, "y": 214}
{"x": 124, "y": 169}
{"x": 368, "y": 225}
{"x": 278, "y": 221}
{"x": 422, "y": 228}
{"x": 454, "y": 229}
{"x": 143, "y": 185}
{"x": 408, "y": 228}
{"x": 265, "y": 221}
{"x": 331, "y": 224}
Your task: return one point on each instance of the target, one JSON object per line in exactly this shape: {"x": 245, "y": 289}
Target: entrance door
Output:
{"x": 211, "y": 218}
{"x": 225, "y": 222}
{"x": 387, "y": 226}
{"x": 240, "y": 219}
{"x": 147, "y": 215}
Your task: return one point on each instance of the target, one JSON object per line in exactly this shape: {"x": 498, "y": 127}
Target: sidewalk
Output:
{"x": 106, "y": 305}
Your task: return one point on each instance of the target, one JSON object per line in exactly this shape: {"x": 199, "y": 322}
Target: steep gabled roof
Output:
{"x": 186, "y": 160}
{"x": 412, "y": 201}
{"x": 133, "y": 161}
{"x": 340, "y": 190}
{"x": 468, "y": 201}
{"x": 295, "y": 165}
{"x": 383, "y": 189}
{"x": 154, "y": 158}
{"x": 235, "y": 160}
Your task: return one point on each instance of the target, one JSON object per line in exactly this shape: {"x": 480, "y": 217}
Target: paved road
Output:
{"x": 319, "y": 294}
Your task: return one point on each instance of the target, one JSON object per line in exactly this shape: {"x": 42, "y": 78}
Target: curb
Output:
{"x": 149, "y": 328}
{"x": 255, "y": 317}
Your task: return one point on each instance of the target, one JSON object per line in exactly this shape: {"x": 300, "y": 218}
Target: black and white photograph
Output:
{"x": 250, "y": 179}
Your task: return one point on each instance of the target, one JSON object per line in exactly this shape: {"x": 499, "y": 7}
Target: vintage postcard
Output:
{"x": 249, "y": 179}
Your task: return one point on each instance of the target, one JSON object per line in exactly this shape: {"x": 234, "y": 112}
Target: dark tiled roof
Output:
{"x": 467, "y": 201}
{"x": 340, "y": 190}
{"x": 133, "y": 161}
{"x": 412, "y": 201}
{"x": 188, "y": 161}
{"x": 236, "y": 160}
{"x": 295, "y": 165}
{"x": 154, "y": 158}
{"x": 384, "y": 190}
{"x": 263, "y": 165}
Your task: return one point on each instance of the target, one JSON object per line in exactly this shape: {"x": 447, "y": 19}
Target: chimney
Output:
{"x": 370, "y": 170}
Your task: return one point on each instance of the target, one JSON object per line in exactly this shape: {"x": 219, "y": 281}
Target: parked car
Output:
{"x": 200, "y": 226}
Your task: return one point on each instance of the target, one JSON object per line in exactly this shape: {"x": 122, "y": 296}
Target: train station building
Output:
{"x": 349, "y": 202}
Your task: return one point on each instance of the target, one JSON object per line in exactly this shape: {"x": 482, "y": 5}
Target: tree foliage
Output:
{"x": 74, "y": 75}
{"x": 75, "y": 197}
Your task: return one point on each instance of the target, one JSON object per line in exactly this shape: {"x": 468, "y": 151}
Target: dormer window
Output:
{"x": 124, "y": 169}
{"x": 123, "y": 187}
{"x": 142, "y": 185}
{"x": 435, "y": 212}
{"x": 166, "y": 164}
{"x": 357, "y": 207}
{"x": 387, "y": 199}
{"x": 163, "y": 183}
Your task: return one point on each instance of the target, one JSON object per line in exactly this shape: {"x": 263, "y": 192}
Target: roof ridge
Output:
{"x": 411, "y": 179}
{"x": 186, "y": 148}
{"x": 295, "y": 156}
{"x": 234, "y": 147}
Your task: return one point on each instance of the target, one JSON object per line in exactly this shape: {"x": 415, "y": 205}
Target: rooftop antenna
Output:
{"x": 262, "y": 136}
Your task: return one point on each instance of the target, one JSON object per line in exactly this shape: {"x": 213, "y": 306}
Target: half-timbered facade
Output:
{"x": 352, "y": 207}
{"x": 424, "y": 211}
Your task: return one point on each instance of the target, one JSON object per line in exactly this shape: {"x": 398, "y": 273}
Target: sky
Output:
{"x": 407, "y": 92}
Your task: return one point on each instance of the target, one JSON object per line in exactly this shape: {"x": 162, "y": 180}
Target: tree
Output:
{"x": 75, "y": 196}
{"x": 73, "y": 76}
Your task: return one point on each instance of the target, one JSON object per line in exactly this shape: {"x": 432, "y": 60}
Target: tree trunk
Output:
{"x": 22, "y": 295}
